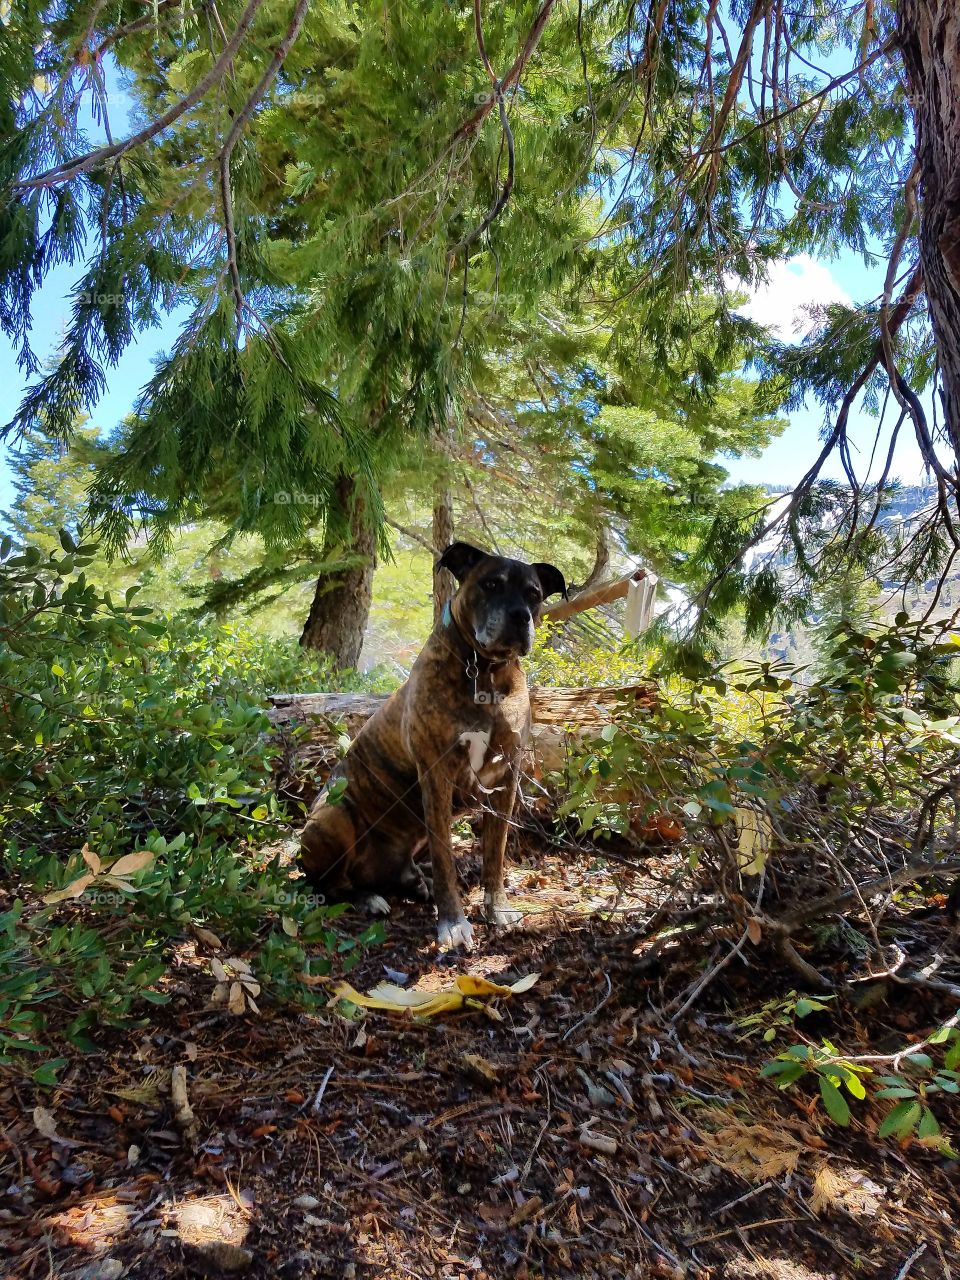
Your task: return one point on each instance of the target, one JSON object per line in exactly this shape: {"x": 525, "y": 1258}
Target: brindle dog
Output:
{"x": 448, "y": 741}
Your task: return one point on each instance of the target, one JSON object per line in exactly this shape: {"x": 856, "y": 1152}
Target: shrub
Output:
{"x": 136, "y": 802}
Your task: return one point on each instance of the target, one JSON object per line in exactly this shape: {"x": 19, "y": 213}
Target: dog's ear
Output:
{"x": 460, "y": 558}
{"x": 551, "y": 580}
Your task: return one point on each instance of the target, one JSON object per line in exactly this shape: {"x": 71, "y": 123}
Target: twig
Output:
{"x": 721, "y": 964}
{"x": 322, "y": 1090}
{"x": 921, "y": 1248}
{"x": 592, "y": 1014}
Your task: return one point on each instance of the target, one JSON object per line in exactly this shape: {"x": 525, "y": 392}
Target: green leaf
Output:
{"x": 901, "y": 1120}
{"x": 928, "y": 1126}
{"x": 47, "y": 1074}
{"x": 835, "y": 1102}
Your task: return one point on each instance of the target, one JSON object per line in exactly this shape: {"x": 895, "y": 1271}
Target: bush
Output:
{"x": 790, "y": 804}
{"x": 136, "y": 801}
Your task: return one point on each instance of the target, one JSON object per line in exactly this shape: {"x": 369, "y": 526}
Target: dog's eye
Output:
{"x": 490, "y": 584}
{"x": 534, "y": 596}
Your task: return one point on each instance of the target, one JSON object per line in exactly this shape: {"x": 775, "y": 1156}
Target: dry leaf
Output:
{"x": 91, "y": 859}
{"x": 73, "y": 890}
{"x": 183, "y": 1112}
{"x": 218, "y": 971}
{"x": 480, "y": 1067}
{"x": 207, "y": 937}
{"x": 236, "y": 1003}
{"x": 131, "y": 863}
{"x": 46, "y": 1124}
{"x": 754, "y": 931}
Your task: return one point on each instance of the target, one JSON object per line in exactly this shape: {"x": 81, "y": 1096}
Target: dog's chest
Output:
{"x": 489, "y": 749}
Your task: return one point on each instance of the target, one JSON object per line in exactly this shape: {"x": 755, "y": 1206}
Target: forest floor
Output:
{"x": 568, "y": 1131}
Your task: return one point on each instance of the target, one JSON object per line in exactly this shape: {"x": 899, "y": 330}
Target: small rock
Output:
{"x": 305, "y": 1202}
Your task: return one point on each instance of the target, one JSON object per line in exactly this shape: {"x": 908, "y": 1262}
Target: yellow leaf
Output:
{"x": 471, "y": 986}
{"x": 73, "y": 890}
{"x": 754, "y": 840}
{"x": 131, "y": 863}
{"x": 427, "y": 1004}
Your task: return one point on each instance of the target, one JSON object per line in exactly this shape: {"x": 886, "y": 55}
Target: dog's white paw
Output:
{"x": 500, "y": 916}
{"x": 374, "y": 905}
{"x": 455, "y": 933}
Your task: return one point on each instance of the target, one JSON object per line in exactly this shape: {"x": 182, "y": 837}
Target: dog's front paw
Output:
{"x": 372, "y": 904}
{"x": 499, "y": 915}
{"x": 455, "y": 933}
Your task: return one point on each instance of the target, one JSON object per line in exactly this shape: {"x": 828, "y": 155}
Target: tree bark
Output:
{"x": 444, "y": 583}
{"x": 929, "y": 32}
{"x": 341, "y": 602}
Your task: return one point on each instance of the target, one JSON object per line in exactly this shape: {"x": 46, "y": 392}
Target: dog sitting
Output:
{"x": 448, "y": 741}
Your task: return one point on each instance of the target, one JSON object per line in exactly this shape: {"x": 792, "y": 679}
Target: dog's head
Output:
{"x": 500, "y": 600}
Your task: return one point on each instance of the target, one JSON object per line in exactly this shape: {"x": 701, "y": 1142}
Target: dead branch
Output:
{"x": 605, "y": 594}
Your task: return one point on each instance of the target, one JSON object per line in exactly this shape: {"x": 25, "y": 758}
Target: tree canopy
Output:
{"x": 387, "y": 223}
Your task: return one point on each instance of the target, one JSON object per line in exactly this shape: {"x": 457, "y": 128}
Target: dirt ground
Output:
{"x": 568, "y": 1131}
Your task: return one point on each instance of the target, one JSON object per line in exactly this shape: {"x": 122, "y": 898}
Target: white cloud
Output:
{"x": 791, "y": 286}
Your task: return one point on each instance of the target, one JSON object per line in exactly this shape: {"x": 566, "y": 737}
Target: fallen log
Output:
{"x": 548, "y": 705}
{"x": 311, "y": 726}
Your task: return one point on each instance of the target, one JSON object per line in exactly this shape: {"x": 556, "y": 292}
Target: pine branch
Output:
{"x": 94, "y": 159}
{"x": 471, "y": 125}
{"x": 503, "y": 193}
{"x": 264, "y": 83}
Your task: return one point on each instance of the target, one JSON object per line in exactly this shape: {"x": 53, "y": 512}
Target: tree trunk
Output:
{"x": 930, "y": 44}
{"x": 341, "y": 602}
{"x": 444, "y": 583}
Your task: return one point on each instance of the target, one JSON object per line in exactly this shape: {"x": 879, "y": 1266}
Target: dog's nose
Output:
{"x": 520, "y": 617}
